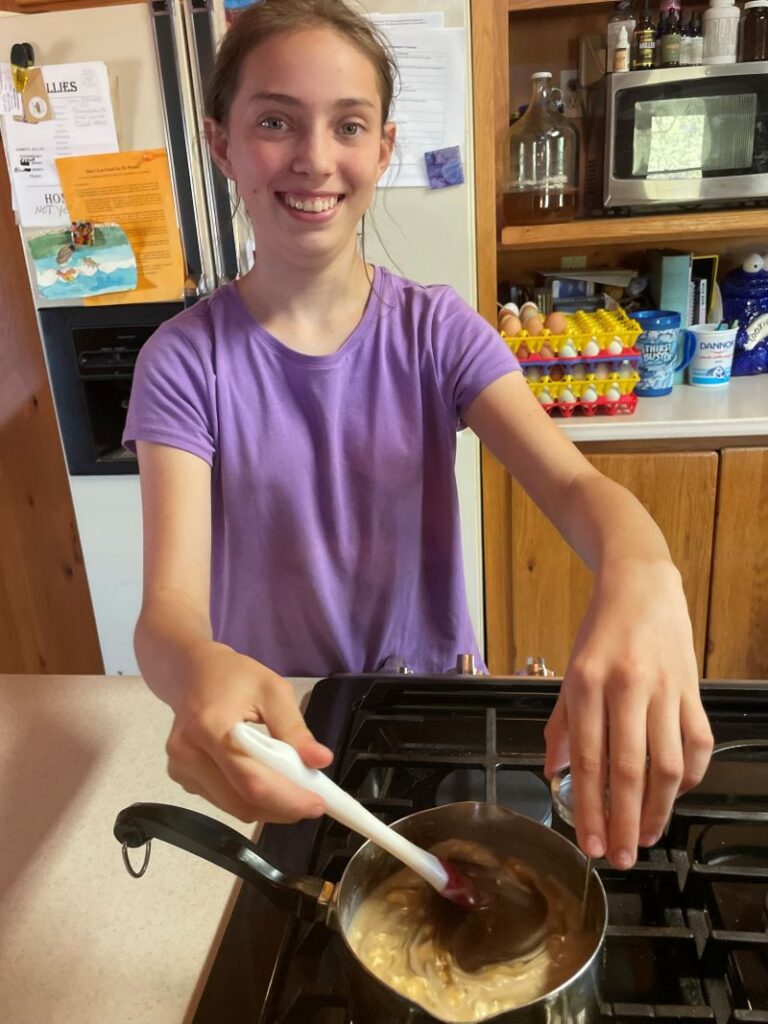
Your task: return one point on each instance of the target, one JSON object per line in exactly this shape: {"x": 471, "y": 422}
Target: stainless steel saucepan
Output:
{"x": 372, "y": 1001}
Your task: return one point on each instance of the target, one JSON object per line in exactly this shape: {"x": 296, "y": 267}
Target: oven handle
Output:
{"x": 301, "y": 896}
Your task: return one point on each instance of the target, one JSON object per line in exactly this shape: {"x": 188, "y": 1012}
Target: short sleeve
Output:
{"x": 468, "y": 353}
{"x": 172, "y": 399}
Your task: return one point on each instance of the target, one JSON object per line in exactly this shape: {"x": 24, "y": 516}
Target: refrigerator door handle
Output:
{"x": 203, "y": 32}
{"x": 183, "y": 143}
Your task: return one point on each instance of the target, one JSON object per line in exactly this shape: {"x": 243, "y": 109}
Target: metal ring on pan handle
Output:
{"x": 127, "y": 860}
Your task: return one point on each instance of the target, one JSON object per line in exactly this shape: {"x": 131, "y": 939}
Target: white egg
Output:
{"x": 566, "y": 395}
{"x": 625, "y": 369}
{"x": 601, "y": 371}
{"x": 544, "y": 397}
{"x": 753, "y": 263}
{"x": 615, "y": 347}
{"x": 527, "y": 310}
{"x": 613, "y": 394}
{"x": 578, "y": 372}
{"x": 589, "y": 395}
{"x": 532, "y": 373}
{"x": 567, "y": 350}
{"x": 512, "y": 307}
{"x": 591, "y": 348}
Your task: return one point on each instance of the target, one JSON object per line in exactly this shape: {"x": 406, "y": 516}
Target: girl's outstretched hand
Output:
{"x": 228, "y": 688}
{"x": 629, "y": 712}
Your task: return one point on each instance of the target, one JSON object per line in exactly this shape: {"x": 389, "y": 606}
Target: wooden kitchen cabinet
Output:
{"x": 737, "y": 644}
{"x": 535, "y": 589}
{"x": 549, "y": 586}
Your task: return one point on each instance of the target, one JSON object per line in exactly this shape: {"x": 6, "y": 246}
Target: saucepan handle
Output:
{"x": 137, "y": 825}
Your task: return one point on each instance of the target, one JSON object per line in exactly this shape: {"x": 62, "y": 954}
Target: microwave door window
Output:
{"x": 691, "y": 129}
{"x": 670, "y": 143}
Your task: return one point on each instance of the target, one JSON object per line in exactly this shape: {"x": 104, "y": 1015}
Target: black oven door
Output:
{"x": 91, "y": 353}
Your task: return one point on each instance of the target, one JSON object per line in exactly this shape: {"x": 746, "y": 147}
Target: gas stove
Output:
{"x": 687, "y": 938}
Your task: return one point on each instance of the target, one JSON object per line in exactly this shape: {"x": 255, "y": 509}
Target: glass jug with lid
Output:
{"x": 540, "y": 185}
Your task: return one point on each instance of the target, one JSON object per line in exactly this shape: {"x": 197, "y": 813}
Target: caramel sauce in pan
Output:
{"x": 456, "y": 962}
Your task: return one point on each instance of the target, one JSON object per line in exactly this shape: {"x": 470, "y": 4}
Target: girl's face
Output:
{"x": 304, "y": 143}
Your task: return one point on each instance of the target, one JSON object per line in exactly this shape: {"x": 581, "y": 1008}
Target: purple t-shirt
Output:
{"x": 335, "y": 518}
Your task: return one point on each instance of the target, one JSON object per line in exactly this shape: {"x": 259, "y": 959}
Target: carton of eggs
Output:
{"x": 580, "y": 362}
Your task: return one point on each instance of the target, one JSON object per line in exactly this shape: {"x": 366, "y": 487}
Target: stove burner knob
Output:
{"x": 465, "y": 665}
{"x": 536, "y": 667}
{"x": 396, "y": 664}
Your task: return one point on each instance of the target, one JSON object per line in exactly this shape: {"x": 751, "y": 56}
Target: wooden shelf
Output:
{"x": 513, "y": 6}
{"x": 633, "y": 230}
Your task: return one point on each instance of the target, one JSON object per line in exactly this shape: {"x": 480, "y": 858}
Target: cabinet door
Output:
{"x": 550, "y": 586}
{"x": 737, "y": 644}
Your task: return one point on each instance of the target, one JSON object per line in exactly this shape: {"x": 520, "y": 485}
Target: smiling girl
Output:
{"x": 296, "y": 434}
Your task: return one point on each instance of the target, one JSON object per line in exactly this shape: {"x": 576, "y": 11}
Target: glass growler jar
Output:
{"x": 540, "y": 185}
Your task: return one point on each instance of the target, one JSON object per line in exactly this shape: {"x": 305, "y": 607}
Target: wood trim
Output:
{"x": 513, "y": 6}
{"x": 46, "y": 618}
{"x": 491, "y": 108}
{"x": 655, "y": 230}
{"x": 490, "y": 100}
{"x": 737, "y": 646}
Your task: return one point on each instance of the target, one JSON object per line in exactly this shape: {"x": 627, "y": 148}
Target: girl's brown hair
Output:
{"x": 266, "y": 18}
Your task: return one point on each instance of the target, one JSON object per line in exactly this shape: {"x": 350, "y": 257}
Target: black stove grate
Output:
{"x": 687, "y": 938}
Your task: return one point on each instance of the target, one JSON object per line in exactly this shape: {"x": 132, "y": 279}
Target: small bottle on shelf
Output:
{"x": 686, "y": 42}
{"x": 670, "y": 41}
{"x": 697, "y": 40}
{"x": 753, "y": 35}
{"x": 644, "y": 42}
{"x": 622, "y": 17}
{"x": 659, "y": 34}
{"x": 621, "y": 53}
{"x": 721, "y": 30}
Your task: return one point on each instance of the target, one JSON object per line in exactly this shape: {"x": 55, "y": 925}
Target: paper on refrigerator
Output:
{"x": 429, "y": 105}
{"x": 83, "y": 123}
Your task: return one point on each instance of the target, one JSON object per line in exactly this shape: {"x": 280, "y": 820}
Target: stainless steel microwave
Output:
{"x": 680, "y": 137}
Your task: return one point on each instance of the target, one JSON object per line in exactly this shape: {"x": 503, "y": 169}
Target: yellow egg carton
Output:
{"x": 602, "y": 334}
{"x": 587, "y": 389}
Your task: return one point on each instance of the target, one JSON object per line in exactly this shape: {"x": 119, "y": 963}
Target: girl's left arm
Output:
{"x": 631, "y": 686}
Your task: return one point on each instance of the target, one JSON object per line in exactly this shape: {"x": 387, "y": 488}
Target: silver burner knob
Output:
{"x": 536, "y": 667}
{"x": 465, "y": 665}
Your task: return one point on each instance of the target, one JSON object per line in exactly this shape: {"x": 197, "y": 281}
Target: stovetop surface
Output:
{"x": 687, "y": 938}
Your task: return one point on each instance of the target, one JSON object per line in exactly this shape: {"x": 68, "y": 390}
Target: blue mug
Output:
{"x": 657, "y": 345}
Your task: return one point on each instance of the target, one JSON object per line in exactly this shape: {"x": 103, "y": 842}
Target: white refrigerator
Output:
{"x": 154, "y": 55}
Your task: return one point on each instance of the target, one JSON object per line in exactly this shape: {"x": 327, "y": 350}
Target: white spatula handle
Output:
{"x": 284, "y": 759}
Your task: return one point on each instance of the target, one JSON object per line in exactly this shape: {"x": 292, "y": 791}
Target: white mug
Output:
{"x": 710, "y": 366}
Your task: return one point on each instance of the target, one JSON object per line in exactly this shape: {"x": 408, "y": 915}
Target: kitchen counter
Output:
{"x": 81, "y": 942}
{"x": 739, "y": 410}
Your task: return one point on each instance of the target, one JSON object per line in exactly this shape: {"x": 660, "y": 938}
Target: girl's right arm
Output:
{"x": 208, "y": 685}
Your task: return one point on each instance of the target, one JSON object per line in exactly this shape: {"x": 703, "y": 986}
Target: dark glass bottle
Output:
{"x": 686, "y": 42}
{"x": 753, "y": 41}
{"x": 697, "y": 40}
{"x": 670, "y": 41}
{"x": 644, "y": 43}
{"x": 659, "y": 34}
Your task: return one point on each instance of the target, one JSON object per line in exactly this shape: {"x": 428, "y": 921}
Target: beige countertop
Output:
{"x": 80, "y": 941}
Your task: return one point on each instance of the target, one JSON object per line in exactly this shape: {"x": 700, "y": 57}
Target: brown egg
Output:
{"x": 534, "y": 325}
{"x": 556, "y": 323}
{"x": 546, "y": 351}
{"x": 509, "y": 323}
